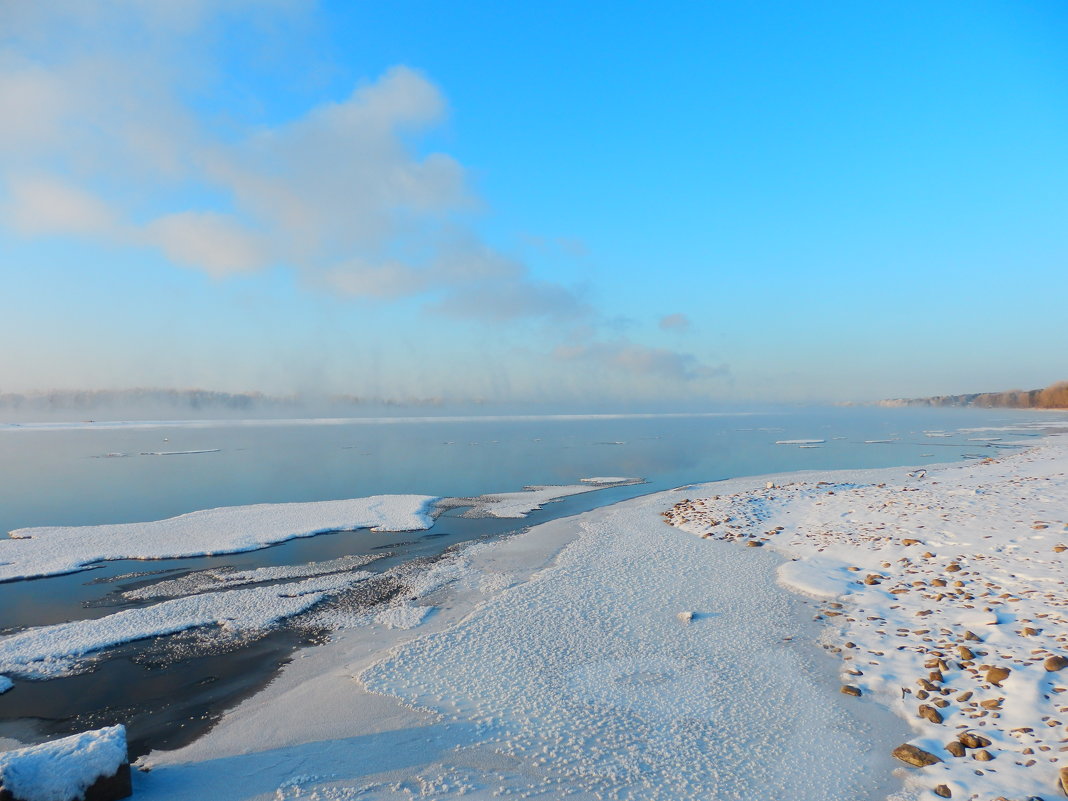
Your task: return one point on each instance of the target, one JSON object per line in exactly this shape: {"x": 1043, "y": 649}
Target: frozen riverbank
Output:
{"x": 944, "y": 591}
{"x": 554, "y": 664}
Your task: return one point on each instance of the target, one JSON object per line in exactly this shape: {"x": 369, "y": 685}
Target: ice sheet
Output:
{"x": 520, "y": 504}
{"x": 48, "y": 551}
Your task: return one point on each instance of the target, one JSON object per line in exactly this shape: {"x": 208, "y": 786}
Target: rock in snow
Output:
{"x": 915, "y": 756}
{"x": 91, "y": 766}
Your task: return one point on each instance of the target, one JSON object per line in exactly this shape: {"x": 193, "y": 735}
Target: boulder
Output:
{"x": 928, "y": 712}
{"x": 996, "y": 675}
{"x": 970, "y": 739}
{"x": 914, "y": 756}
{"x": 1055, "y": 663}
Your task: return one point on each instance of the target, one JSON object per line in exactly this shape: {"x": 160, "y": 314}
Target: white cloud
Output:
{"x": 105, "y": 136}
{"x": 639, "y": 360}
{"x": 42, "y": 205}
{"x": 212, "y": 242}
{"x": 678, "y": 322}
{"x": 340, "y": 194}
{"x": 391, "y": 279}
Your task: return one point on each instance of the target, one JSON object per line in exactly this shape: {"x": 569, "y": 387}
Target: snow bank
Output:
{"x": 63, "y": 770}
{"x": 49, "y": 651}
{"x": 816, "y": 578}
{"x": 5, "y": 684}
{"x": 47, "y": 551}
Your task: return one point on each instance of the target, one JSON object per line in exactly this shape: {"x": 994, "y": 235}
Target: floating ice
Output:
{"x": 52, "y": 550}
{"x": 520, "y": 504}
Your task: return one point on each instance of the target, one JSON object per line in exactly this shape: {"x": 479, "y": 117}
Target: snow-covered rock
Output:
{"x": 91, "y": 766}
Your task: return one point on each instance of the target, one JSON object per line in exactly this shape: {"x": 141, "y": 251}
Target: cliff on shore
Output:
{"x": 1054, "y": 396}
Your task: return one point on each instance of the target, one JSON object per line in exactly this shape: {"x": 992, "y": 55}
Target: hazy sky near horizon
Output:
{"x": 534, "y": 201}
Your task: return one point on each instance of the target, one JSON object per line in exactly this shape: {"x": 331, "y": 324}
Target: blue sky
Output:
{"x": 550, "y": 202}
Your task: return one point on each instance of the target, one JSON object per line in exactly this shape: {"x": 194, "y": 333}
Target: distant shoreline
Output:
{"x": 1054, "y": 396}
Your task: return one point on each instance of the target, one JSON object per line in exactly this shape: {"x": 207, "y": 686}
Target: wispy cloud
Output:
{"x": 340, "y": 194}
{"x": 104, "y": 137}
{"x": 640, "y": 359}
{"x": 677, "y": 322}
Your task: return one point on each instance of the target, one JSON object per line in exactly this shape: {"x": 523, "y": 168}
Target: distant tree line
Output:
{"x": 1054, "y": 396}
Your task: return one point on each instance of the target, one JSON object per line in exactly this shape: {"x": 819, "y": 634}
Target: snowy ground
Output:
{"x": 944, "y": 592}
{"x": 548, "y": 673}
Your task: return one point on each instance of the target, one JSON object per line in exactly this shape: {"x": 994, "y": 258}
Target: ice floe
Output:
{"x": 45, "y": 551}
{"x": 520, "y": 504}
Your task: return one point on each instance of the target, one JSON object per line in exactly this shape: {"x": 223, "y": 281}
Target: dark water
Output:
{"x": 166, "y": 695}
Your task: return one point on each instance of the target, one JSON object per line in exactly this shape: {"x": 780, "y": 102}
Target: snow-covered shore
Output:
{"x": 555, "y": 664}
{"x": 944, "y": 595}
{"x": 612, "y": 656}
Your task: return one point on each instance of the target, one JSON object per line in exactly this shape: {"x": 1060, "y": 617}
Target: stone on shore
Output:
{"x": 1055, "y": 663}
{"x": 912, "y": 755}
{"x": 996, "y": 675}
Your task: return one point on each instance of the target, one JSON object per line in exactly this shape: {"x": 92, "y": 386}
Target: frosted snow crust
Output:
{"x": 46, "y": 551}
{"x": 588, "y": 683}
{"x": 63, "y": 770}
